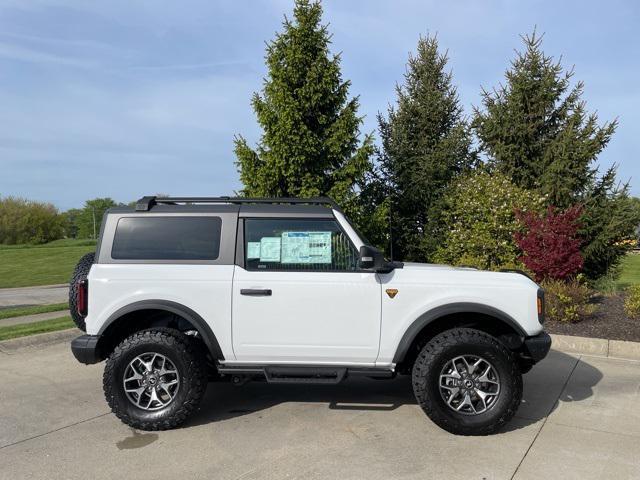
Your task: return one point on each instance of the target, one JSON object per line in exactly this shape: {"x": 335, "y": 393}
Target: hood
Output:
{"x": 422, "y": 272}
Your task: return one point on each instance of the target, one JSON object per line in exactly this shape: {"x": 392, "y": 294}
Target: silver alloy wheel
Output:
{"x": 151, "y": 381}
{"x": 469, "y": 384}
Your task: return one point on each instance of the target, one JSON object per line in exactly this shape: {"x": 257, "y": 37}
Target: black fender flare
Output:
{"x": 434, "y": 314}
{"x": 188, "y": 314}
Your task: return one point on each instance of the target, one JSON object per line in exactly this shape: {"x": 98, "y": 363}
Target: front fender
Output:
{"x": 438, "y": 312}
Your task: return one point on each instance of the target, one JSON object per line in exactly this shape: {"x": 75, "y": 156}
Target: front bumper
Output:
{"x": 536, "y": 348}
{"x": 85, "y": 349}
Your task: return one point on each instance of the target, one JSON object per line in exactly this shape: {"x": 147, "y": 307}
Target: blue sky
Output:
{"x": 126, "y": 98}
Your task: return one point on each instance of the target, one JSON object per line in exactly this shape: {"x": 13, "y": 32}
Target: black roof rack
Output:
{"x": 145, "y": 203}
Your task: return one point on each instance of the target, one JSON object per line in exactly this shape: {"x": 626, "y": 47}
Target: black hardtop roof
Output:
{"x": 320, "y": 206}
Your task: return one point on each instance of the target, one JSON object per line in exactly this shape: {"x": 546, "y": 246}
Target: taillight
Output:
{"x": 82, "y": 297}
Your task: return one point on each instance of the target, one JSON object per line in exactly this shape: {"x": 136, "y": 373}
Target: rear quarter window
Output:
{"x": 167, "y": 238}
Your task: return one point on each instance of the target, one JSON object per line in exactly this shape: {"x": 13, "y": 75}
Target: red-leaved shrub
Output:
{"x": 550, "y": 247}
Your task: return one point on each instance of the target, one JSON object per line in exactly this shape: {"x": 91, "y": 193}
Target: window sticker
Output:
{"x": 319, "y": 247}
{"x": 306, "y": 247}
{"x": 270, "y": 249}
{"x": 295, "y": 247}
{"x": 253, "y": 250}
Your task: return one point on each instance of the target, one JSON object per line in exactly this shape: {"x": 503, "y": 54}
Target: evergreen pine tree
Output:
{"x": 425, "y": 144}
{"x": 537, "y": 131}
{"x": 310, "y": 143}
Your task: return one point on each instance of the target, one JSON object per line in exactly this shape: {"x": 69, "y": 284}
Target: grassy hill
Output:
{"x": 48, "y": 264}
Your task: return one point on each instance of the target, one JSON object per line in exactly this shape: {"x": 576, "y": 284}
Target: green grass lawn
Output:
{"x": 630, "y": 274}
{"x": 15, "y": 331}
{"x": 30, "y": 265}
{"x": 22, "y": 311}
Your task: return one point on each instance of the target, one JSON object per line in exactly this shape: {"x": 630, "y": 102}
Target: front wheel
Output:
{"x": 155, "y": 379}
{"x": 467, "y": 382}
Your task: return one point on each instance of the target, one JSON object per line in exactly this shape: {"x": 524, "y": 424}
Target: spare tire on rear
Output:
{"x": 79, "y": 274}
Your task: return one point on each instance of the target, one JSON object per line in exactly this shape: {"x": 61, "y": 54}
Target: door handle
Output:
{"x": 256, "y": 292}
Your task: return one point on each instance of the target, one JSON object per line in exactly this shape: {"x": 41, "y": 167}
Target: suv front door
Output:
{"x": 300, "y": 298}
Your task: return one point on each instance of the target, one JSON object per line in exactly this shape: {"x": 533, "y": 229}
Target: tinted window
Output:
{"x": 297, "y": 244}
{"x": 167, "y": 238}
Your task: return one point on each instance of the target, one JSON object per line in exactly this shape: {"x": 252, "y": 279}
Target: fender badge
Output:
{"x": 392, "y": 292}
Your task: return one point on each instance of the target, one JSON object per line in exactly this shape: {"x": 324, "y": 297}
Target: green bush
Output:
{"x": 26, "y": 221}
{"x": 632, "y": 301}
{"x": 567, "y": 301}
{"x": 480, "y": 215}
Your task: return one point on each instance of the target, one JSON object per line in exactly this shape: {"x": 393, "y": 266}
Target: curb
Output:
{"x": 39, "y": 340}
{"x": 597, "y": 347}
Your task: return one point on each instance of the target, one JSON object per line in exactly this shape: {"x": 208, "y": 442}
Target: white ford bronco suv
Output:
{"x": 182, "y": 291}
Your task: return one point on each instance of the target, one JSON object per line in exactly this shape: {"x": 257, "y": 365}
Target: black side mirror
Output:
{"x": 373, "y": 259}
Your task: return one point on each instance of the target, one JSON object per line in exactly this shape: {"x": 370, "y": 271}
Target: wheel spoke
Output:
{"x": 162, "y": 370}
{"x": 466, "y": 365}
{"x": 485, "y": 394}
{"x": 153, "y": 397}
{"x": 138, "y": 391}
{"x": 135, "y": 376}
{"x": 482, "y": 396}
{"x": 466, "y": 402}
{"x": 475, "y": 365}
{"x": 484, "y": 378}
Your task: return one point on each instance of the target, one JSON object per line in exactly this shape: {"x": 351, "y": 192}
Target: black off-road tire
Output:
{"x": 79, "y": 274}
{"x": 188, "y": 357}
{"x": 466, "y": 341}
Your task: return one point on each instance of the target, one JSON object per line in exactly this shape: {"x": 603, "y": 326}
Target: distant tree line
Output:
{"x": 31, "y": 222}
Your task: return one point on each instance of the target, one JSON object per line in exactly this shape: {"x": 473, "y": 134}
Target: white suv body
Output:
{"x": 265, "y": 284}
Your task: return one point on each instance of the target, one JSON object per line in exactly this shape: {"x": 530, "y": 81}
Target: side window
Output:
{"x": 297, "y": 245}
{"x": 167, "y": 238}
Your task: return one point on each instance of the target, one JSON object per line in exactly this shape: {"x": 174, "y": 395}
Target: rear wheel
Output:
{"x": 467, "y": 382}
{"x": 155, "y": 379}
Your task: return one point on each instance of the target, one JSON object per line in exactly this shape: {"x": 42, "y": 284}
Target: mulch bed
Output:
{"x": 608, "y": 321}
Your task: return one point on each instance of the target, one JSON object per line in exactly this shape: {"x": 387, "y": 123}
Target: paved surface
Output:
{"x": 14, "y": 297}
{"x": 37, "y": 317}
{"x": 579, "y": 420}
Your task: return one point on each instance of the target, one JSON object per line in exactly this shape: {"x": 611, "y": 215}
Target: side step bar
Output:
{"x": 311, "y": 374}
{"x": 304, "y": 375}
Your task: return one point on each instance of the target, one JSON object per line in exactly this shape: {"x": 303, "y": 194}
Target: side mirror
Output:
{"x": 373, "y": 259}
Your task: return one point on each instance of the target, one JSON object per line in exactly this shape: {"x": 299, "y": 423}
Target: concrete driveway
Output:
{"x": 579, "y": 419}
{"x": 17, "y": 297}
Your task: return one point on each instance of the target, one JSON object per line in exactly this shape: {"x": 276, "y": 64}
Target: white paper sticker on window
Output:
{"x": 253, "y": 250}
{"x": 319, "y": 247}
{"x": 306, "y": 247}
{"x": 295, "y": 247}
{"x": 270, "y": 249}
